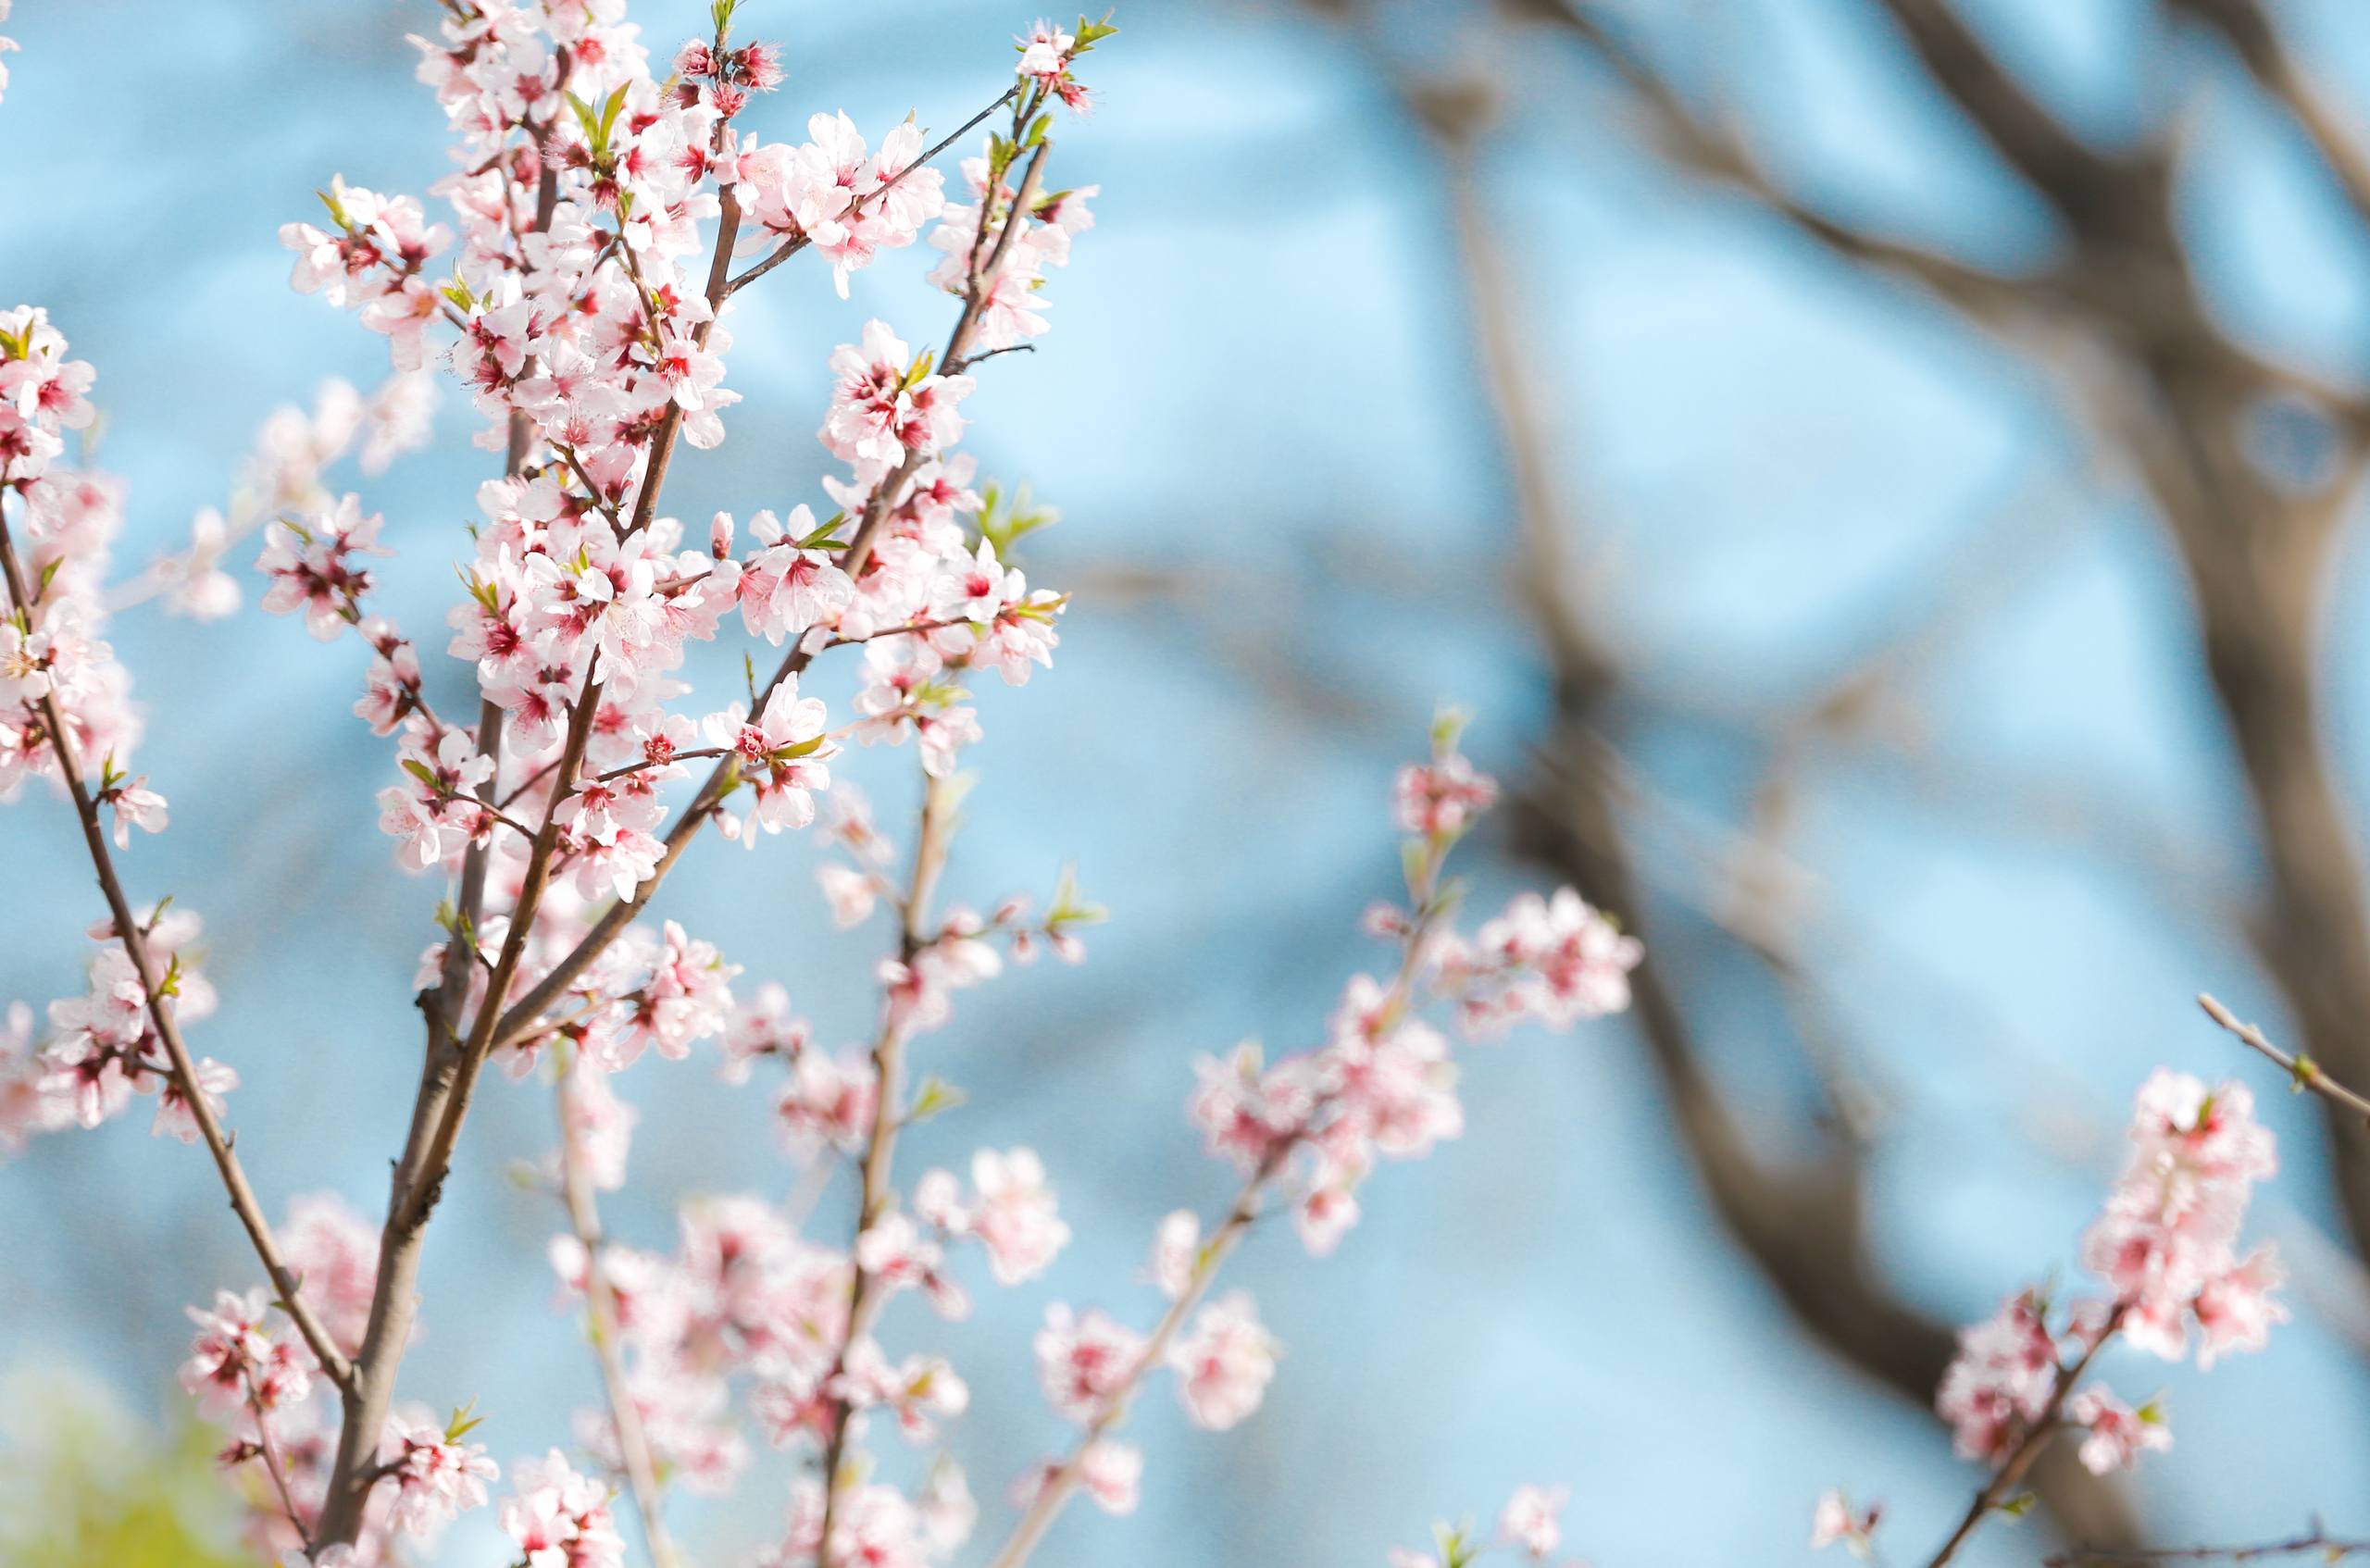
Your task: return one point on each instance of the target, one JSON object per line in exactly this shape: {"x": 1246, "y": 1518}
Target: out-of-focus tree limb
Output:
{"x": 2169, "y": 393}
{"x": 1801, "y": 1221}
{"x": 2116, "y": 199}
{"x": 2136, "y": 278}
{"x": 2247, "y": 30}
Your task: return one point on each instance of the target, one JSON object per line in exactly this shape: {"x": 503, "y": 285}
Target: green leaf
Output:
{"x": 463, "y": 1423}
{"x": 821, "y": 538}
{"x": 586, "y": 120}
{"x": 934, "y": 1096}
{"x": 334, "y": 199}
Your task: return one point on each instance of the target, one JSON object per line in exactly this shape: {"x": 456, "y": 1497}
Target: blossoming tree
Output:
{"x": 554, "y": 765}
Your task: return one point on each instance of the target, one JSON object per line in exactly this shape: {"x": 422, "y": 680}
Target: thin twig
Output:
{"x": 2301, "y": 1070}
{"x": 274, "y": 1466}
{"x": 602, "y": 1325}
{"x": 874, "y": 1194}
{"x": 185, "y": 1075}
{"x": 2037, "y": 1437}
{"x": 2332, "y": 1548}
{"x": 1053, "y": 1494}
{"x": 798, "y": 243}
{"x": 720, "y": 783}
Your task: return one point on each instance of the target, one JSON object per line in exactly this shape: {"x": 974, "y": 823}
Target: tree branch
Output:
{"x": 134, "y": 938}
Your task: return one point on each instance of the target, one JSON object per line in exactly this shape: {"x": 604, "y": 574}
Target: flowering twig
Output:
{"x": 798, "y": 243}
{"x": 135, "y": 946}
{"x": 2302, "y": 1072}
{"x": 877, "y": 506}
{"x": 274, "y": 1466}
{"x": 2037, "y": 1435}
{"x": 601, "y": 1326}
{"x": 421, "y": 1175}
{"x": 1053, "y": 1494}
{"x": 873, "y": 1192}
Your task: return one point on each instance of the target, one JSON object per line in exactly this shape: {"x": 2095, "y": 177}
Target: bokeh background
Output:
{"x": 1881, "y": 470}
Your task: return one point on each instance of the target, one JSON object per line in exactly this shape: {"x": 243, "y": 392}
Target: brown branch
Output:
{"x": 274, "y": 1466}
{"x": 2248, "y": 28}
{"x": 2162, "y": 386}
{"x": 449, "y": 1075}
{"x": 878, "y": 505}
{"x": 128, "y": 931}
{"x": 1715, "y": 152}
{"x": 1801, "y": 1224}
{"x": 2038, "y": 1436}
{"x": 2096, "y": 195}
{"x": 874, "y": 1194}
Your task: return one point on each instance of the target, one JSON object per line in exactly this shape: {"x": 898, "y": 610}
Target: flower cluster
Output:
{"x": 560, "y": 1519}
{"x": 284, "y": 477}
{"x": 1384, "y": 1084}
{"x": 56, "y": 669}
{"x": 1530, "y": 1528}
{"x": 2166, "y": 1248}
{"x": 103, "y": 1047}
{"x": 1307, "y": 1130}
{"x": 254, "y": 1376}
{"x": 573, "y": 273}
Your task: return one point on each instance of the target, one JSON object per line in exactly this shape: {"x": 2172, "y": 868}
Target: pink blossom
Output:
{"x": 2117, "y": 1434}
{"x": 1224, "y": 1362}
{"x": 2001, "y": 1380}
{"x": 1442, "y": 796}
{"x": 851, "y": 893}
{"x": 2234, "y": 1308}
{"x": 1832, "y": 1520}
{"x": 1112, "y": 1472}
{"x": 1175, "y": 1253}
{"x": 235, "y": 1358}
{"x": 1083, "y": 1361}
{"x": 1013, "y": 1214}
{"x": 1532, "y": 1519}
{"x": 560, "y": 1519}
{"x": 335, "y": 1252}
{"x": 435, "y": 1477}
{"x": 174, "y": 1117}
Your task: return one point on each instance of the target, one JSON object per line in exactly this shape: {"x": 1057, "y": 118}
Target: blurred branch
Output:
{"x": 1715, "y": 152}
{"x": 2117, "y": 271}
{"x": 2099, "y": 196}
{"x": 1800, "y": 1223}
{"x": 2246, "y": 26}
{"x": 2164, "y": 388}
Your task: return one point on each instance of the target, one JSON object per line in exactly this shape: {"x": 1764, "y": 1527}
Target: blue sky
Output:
{"x": 1259, "y": 413}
